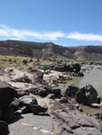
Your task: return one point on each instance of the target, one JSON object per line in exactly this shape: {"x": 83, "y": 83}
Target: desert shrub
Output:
{"x": 9, "y": 60}
{"x": 31, "y": 60}
{"x": 25, "y": 61}
{"x": 15, "y": 61}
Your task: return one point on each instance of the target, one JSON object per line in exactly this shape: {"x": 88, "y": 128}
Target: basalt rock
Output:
{"x": 71, "y": 90}
{"x": 4, "y": 130}
{"x": 87, "y": 95}
{"x": 7, "y": 93}
{"x": 37, "y": 109}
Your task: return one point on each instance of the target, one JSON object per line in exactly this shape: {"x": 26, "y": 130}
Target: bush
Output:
{"x": 25, "y": 61}
{"x": 15, "y": 61}
{"x": 31, "y": 60}
{"x": 45, "y": 67}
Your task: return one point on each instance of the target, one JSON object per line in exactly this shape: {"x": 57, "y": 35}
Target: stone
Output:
{"x": 27, "y": 100}
{"x": 71, "y": 90}
{"x": 23, "y": 79}
{"x": 63, "y": 100}
{"x": 37, "y": 109}
{"x": 87, "y": 95}
{"x": 8, "y": 114}
{"x": 4, "y": 130}
{"x": 51, "y": 96}
{"x": 56, "y": 90}
{"x": 7, "y": 93}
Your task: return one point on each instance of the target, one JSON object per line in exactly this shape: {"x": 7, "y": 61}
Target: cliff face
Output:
{"x": 50, "y": 50}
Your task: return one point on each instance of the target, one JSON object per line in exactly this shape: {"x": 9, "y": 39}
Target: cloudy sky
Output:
{"x": 64, "y": 22}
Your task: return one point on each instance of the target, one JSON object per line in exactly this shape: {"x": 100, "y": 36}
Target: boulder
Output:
{"x": 71, "y": 90}
{"x": 24, "y": 79}
{"x": 4, "y": 130}
{"x": 37, "y": 75}
{"x": 87, "y": 95}
{"x": 56, "y": 90}
{"x": 37, "y": 109}
{"x": 42, "y": 92}
{"x": 1, "y": 114}
{"x": 76, "y": 67}
{"x": 8, "y": 114}
{"x": 51, "y": 96}
{"x": 63, "y": 100}
{"x": 27, "y": 100}
{"x": 7, "y": 93}
{"x": 80, "y": 74}
{"x": 15, "y": 105}
{"x": 21, "y": 93}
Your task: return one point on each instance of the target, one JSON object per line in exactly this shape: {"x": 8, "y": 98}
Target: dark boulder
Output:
{"x": 8, "y": 114}
{"x": 56, "y": 90}
{"x": 27, "y": 100}
{"x": 63, "y": 100}
{"x": 76, "y": 67}
{"x": 4, "y": 130}
{"x": 7, "y": 93}
{"x": 15, "y": 105}
{"x": 87, "y": 95}
{"x": 51, "y": 96}
{"x": 80, "y": 74}
{"x": 21, "y": 93}
{"x": 37, "y": 109}
{"x": 71, "y": 90}
{"x": 24, "y": 79}
{"x": 42, "y": 92}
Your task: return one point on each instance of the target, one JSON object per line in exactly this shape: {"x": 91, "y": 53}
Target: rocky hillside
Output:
{"x": 50, "y": 50}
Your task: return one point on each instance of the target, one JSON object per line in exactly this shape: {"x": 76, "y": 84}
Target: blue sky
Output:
{"x": 64, "y": 22}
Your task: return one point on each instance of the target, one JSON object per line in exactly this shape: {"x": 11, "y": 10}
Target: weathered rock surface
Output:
{"x": 87, "y": 95}
{"x": 71, "y": 90}
{"x": 37, "y": 109}
{"x": 7, "y": 93}
{"x": 27, "y": 100}
{"x": 23, "y": 79}
{"x": 74, "y": 122}
{"x": 4, "y": 130}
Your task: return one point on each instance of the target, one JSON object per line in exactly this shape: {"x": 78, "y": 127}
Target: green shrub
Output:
{"x": 25, "y": 61}
{"x": 45, "y": 67}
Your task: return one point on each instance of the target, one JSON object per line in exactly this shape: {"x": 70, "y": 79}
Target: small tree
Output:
{"x": 25, "y": 61}
{"x": 31, "y": 60}
{"x": 45, "y": 67}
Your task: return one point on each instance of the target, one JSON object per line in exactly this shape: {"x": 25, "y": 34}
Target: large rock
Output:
{"x": 71, "y": 90}
{"x": 7, "y": 93}
{"x": 24, "y": 79}
{"x": 87, "y": 95}
{"x": 37, "y": 75}
{"x": 75, "y": 122}
{"x": 41, "y": 91}
{"x": 76, "y": 67}
{"x": 4, "y": 130}
{"x": 27, "y": 100}
{"x": 37, "y": 109}
{"x": 8, "y": 114}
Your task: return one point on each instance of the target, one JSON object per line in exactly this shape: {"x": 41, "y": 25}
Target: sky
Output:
{"x": 63, "y": 22}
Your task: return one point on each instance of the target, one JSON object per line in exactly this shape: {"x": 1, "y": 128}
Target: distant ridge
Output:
{"x": 50, "y": 50}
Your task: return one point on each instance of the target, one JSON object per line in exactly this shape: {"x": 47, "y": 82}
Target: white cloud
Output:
{"x": 87, "y": 37}
{"x": 6, "y": 31}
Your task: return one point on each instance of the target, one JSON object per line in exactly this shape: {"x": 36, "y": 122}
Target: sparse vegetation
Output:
{"x": 25, "y": 61}
{"x": 45, "y": 67}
